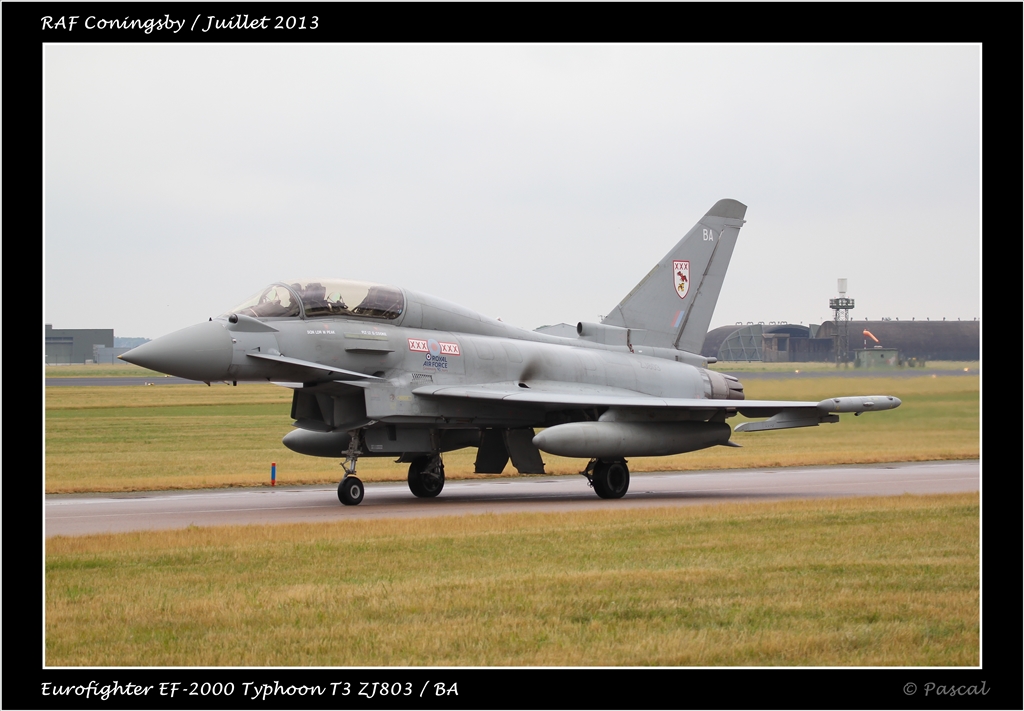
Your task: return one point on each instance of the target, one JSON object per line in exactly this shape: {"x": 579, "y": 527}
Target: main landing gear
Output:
{"x": 426, "y": 476}
{"x": 350, "y": 490}
{"x": 610, "y": 479}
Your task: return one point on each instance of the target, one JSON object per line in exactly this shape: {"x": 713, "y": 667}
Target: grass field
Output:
{"x": 193, "y": 436}
{"x": 879, "y": 581}
{"x": 938, "y": 366}
{"x": 99, "y": 370}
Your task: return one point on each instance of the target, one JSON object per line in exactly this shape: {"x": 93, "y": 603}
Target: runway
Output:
{"x": 118, "y": 381}
{"x": 81, "y": 514}
{"x": 846, "y": 373}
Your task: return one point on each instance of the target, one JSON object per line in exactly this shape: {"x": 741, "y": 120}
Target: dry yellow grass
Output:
{"x": 734, "y": 366}
{"x": 121, "y": 369}
{"x": 889, "y": 581}
{"x": 193, "y": 436}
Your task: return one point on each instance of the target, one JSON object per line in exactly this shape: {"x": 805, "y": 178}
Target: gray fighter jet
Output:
{"x": 380, "y": 371}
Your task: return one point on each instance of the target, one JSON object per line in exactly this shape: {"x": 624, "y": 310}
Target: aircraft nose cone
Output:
{"x": 200, "y": 352}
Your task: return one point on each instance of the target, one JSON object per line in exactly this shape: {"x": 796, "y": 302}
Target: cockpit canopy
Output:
{"x": 314, "y": 298}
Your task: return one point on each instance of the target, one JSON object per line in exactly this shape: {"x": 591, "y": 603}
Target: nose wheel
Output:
{"x": 350, "y": 491}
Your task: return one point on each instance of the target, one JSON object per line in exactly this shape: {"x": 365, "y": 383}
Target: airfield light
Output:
{"x": 273, "y": 473}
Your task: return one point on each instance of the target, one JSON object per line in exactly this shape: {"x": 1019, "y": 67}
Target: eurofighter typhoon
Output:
{"x": 380, "y": 371}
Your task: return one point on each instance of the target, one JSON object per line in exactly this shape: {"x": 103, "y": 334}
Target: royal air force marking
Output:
{"x": 437, "y": 351}
{"x": 421, "y": 345}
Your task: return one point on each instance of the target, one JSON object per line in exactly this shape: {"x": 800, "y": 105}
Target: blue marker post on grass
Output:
{"x": 273, "y": 473}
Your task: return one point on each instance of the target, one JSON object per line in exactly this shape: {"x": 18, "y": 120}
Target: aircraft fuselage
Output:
{"x": 400, "y": 359}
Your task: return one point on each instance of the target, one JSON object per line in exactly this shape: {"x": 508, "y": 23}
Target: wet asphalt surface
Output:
{"x": 82, "y": 514}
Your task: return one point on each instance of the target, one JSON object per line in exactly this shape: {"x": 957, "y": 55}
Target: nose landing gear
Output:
{"x": 350, "y": 490}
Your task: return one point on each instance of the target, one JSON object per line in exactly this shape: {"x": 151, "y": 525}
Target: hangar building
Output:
{"x": 75, "y": 345}
{"x": 792, "y": 343}
{"x": 80, "y": 345}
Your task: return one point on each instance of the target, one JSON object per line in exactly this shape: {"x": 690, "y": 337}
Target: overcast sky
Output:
{"x": 538, "y": 184}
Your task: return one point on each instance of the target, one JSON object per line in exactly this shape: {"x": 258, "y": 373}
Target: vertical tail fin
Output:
{"x": 672, "y": 306}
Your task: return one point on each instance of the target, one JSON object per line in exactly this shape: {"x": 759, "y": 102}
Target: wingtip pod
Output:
{"x": 859, "y": 403}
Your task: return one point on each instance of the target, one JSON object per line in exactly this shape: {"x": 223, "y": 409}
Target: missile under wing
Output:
{"x": 380, "y": 371}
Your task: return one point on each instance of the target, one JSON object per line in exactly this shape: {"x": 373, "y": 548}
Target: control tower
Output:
{"x": 841, "y": 308}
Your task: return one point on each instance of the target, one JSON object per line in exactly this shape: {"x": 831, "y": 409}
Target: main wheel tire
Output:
{"x": 350, "y": 491}
{"x": 611, "y": 479}
{"x": 423, "y": 482}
